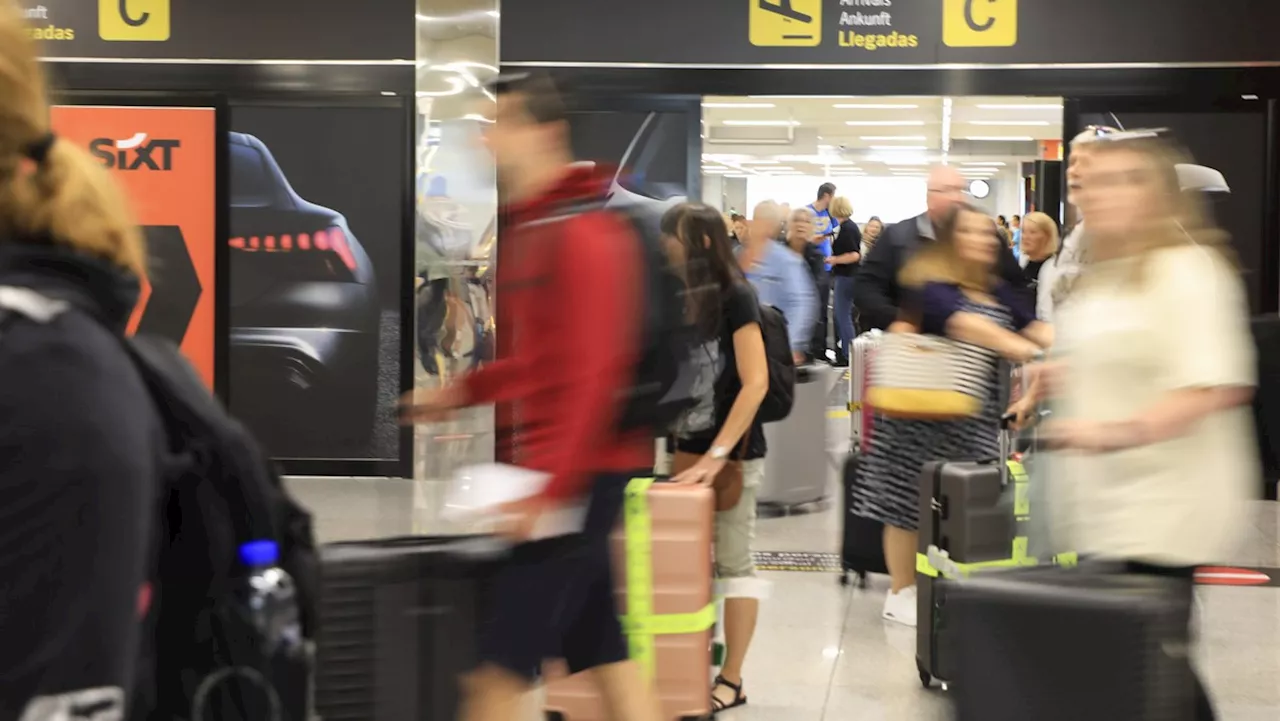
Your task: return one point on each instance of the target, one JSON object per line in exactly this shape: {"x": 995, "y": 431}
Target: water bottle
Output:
{"x": 271, "y": 600}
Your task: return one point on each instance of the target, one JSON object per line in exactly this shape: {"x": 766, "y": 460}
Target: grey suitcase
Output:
{"x": 798, "y": 467}
{"x": 1053, "y": 644}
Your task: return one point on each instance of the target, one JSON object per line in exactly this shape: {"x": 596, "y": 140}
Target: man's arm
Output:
{"x": 801, "y": 298}
{"x": 877, "y": 277}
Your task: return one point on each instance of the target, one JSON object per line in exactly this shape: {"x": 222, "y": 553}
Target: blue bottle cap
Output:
{"x": 259, "y": 553}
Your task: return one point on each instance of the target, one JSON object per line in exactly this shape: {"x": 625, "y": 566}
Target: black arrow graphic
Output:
{"x": 175, "y": 287}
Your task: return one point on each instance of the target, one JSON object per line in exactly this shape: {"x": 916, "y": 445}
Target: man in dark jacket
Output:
{"x": 877, "y": 294}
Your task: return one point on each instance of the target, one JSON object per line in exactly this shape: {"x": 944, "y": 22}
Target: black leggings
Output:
{"x": 1204, "y": 707}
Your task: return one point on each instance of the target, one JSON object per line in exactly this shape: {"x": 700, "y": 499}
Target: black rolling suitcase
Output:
{"x": 862, "y": 550}
{"x": 1055, "y": 644}
{"x": 968, "y": 521}
{"x": 398, "y": 621}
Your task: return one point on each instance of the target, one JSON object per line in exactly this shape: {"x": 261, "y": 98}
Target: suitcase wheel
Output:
{"x": 844, "y": 578}
{"x": 926, "y": 678}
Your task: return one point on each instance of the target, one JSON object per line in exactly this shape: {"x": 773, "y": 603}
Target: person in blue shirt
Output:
{"x": 825, "y": 228}
{"x": 779, "y": 275}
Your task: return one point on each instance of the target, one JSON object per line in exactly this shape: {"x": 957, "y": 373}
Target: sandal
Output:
{"x": 717, "y": 705}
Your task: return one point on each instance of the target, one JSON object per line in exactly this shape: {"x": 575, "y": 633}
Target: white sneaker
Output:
{"x": 900, "y": 607}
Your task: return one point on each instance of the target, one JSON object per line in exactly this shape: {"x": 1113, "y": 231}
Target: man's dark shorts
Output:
{"x": 555, "y": 599}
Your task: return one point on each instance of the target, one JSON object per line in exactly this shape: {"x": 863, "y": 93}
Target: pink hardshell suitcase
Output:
{"x": 669, "y": 628}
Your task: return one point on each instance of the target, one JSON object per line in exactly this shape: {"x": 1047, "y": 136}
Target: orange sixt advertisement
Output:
{"x": 165, "y": 159}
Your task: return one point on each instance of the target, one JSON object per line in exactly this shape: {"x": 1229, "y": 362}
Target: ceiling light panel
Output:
{"x": 761, "y": 123}
{"x": 1019, "y": 106}
{"x": 899, "y": 147}
{"x": 1000, "y": 138}
{"x": 1009, "y": 123}
{"x": 904, "y": 138}
{"x": 884, "y": 123}
{"x": 989, "y": 163}
{"x": 739, "y": 105}
{"x": 875, "y": 106}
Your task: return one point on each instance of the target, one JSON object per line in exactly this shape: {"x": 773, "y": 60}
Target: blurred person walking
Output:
{"x": 953, "y": 291}
{"x": 846, "y": 252}
{"x": 870, "y": 234}
{"x": 779, "y": 274}
{"x": 723, "y": 429}
{"x": 571, "y": 304}
{"x": 1016, "y": 230}
{"x": 81, "y": 439}
{"x": 1164, "y": 458}
{"x": 799, "y": 238}
{"x": 878, "y": 293}
{"x": 1058, "y": 276}
{"x": 825, "y": 229}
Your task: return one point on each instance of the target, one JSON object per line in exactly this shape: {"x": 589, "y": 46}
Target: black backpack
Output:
{"x": 666, "y": 373}
{"x": 777, "y": 403}
{"x": 220, "y": 490}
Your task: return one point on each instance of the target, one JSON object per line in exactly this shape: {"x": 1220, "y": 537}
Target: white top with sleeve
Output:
{"x": 1181, "y": 323}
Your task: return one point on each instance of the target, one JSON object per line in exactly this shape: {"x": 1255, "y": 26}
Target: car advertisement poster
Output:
{"x": 165, "y": 159}
{"x": 315, "y": 233}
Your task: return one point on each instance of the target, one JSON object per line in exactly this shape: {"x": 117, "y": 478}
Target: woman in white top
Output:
{"x": 1158, "y": 371}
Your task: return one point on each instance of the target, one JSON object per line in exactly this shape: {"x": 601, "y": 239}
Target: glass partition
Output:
{"x": 456, "y": 224}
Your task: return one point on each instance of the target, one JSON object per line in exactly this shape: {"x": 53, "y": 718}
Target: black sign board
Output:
{"x": 224, "y": 29}
{"x": 888, "y": 32}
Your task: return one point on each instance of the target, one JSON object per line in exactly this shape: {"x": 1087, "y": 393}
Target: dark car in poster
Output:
{"x": 304, "y": 317}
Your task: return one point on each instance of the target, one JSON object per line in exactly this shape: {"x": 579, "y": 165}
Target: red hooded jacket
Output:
{"x": 567, "y": 307}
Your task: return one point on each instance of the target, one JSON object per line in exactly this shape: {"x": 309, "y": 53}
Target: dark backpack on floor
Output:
{"x": 782, "y": 367}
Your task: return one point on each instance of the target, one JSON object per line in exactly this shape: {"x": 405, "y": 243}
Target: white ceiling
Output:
{"x": 837, "y": 135}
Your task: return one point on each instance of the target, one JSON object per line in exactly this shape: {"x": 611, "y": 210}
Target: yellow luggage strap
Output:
{"x": 639, "y": 622}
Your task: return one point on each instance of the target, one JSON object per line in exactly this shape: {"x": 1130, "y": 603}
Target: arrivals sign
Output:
{"x": 164, "y": 158}
{"x": 224, "y": 29}
{"x": 887, "y": 32}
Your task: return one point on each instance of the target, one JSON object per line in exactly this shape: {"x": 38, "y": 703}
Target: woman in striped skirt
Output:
{"x": 953, "y": 292}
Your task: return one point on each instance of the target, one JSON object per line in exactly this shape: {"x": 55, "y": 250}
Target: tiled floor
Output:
{"x": 821, "y": 652}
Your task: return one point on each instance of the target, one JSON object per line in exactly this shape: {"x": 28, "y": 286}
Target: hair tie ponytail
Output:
{"x": 38, "y": 151}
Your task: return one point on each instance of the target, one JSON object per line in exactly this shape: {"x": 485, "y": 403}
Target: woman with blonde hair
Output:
{"x": 80, "y": 439}
{"x": 952, "y": 291}
{"x": 1153, "y": 399}
{"x": 846, "y": 254}
{"x": 1039, "y": 243}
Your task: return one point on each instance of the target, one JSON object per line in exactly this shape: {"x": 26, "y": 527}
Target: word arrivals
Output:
{"x": 869, "y": 42}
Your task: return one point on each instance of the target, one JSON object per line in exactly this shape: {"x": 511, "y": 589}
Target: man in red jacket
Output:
{"x": 568, "y": 310}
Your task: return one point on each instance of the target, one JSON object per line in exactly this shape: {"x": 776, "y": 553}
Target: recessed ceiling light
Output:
{"x": 892, "y": 162}
{"x": 762, "y": 123}
{"x": 904, "y": 138}
{"x": 1009, "y": 123}
{"x": 1020, "y": 106}
{"x": 1249, "y": 96}
{"x": 884, "y": 123}
{"x": 995, "y": 163}
{"x": 1001, "y": 138}
{"x": 803, "y": 97}
{"x": 754, "y": 161}
{"x": 875, "y": 106}
{"x": 899, "y": 147}
{"x": 739, "y": 105}
{"x": 737, "y": 175}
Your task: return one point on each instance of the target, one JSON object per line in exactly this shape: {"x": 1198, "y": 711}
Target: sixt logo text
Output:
{"x": 136, "y": 153}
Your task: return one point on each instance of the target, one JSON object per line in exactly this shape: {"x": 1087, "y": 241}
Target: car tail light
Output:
{"x": 332, "y": 241}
